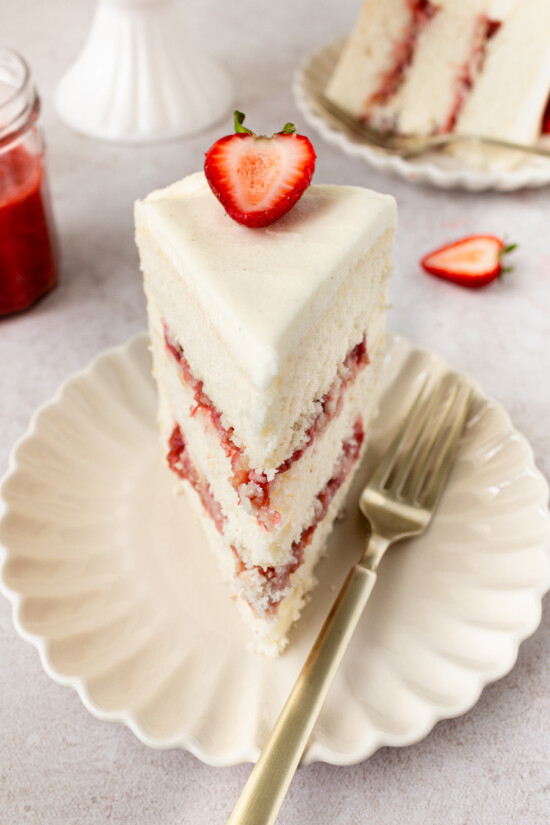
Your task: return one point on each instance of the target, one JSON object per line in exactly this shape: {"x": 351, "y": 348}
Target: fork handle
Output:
{"x": 268, "y": 783}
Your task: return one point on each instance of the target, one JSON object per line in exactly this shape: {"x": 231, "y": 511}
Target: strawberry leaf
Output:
{"x": 509, "y": 248}
{"x": 239, "y": 120}
{"x": 505, "y": 251}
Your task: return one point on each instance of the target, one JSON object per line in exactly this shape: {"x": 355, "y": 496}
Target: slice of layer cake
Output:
{"x": 266, "y": 344}
{"x": 433, "y": 66}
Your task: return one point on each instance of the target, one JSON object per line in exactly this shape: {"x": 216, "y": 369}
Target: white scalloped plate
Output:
{"x": 437, "y": 168}
{"x": 111, "y": 580}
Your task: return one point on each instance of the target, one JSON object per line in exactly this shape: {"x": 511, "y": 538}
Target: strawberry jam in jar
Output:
{"x": 28, "y": 252}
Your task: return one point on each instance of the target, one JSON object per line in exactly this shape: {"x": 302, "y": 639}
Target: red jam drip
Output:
{"x": 422, "y": 11}
{"x": 492, "y": 26}
{"x": 179, "y": 461}
{"x": 485, "y": 30}
{"x": 545, "y": 128}
{"x": 27, "y": 252}
{"x": 278, "y": 578}
{"x": 249, "y": 483}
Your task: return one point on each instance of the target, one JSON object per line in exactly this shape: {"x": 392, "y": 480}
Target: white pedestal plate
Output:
{"x": 140, "y": 77}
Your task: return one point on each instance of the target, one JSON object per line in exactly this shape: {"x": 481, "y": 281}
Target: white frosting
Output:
{"x": 264, "y": 289}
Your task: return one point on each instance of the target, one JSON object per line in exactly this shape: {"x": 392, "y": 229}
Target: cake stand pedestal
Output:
{"x": 139, "y": 77}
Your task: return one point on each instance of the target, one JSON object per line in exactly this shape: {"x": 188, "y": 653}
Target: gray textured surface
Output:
{"x": 58, "y": 764}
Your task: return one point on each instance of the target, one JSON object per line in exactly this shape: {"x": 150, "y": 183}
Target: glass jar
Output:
{"x": 28, "y": 247}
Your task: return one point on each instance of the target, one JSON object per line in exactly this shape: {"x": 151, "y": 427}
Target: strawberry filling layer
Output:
{"x": 545, "y": 128}
{"x": 276, "y": 580}
{"x": 469, "y": 72}
{"x": 180, "y": 463}
{"x": 253, "y": 486}
{"x": 422, "y": 12}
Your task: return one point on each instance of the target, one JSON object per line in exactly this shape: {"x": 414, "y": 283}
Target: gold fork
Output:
{"x": 399, "y": 502}
{"x": 411, "y": 145}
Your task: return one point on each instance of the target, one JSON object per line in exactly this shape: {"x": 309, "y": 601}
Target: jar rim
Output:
{"x": 18, "y": 105}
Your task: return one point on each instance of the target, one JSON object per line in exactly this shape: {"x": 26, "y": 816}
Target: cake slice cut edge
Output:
{"x": 267, "y": 512}
{"x": 268, "y": 612}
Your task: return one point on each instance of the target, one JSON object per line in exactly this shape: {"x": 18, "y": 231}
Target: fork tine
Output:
{"x": 409, "y": 145}
{"x": 408, "y": 430}
{"x": 418, "y": 443}
{"x": 357, "y": 127}
{"x": 431, "y": 476}
{"x": 412, "y": 484}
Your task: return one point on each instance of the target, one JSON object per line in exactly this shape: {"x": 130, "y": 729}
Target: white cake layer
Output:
{"x": 292, "y": 493}
{"x": 269, "y": 633}
{"x": 428, "y": 94}
{"x": 303, "y": 407}
{"x": 264, "y": 316}
{"x": 500, "y": 9}
{"x": 310, "y": 374}
{"x": 368, "y": 54}
{"x": 510, "y": 95}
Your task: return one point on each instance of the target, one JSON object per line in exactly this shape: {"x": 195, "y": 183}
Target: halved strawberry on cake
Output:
{"x": 266, "y": 345}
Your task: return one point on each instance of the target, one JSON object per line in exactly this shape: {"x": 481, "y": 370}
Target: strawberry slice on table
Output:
{"x": 473, "y": 261}
{"x": 257, "y": 179}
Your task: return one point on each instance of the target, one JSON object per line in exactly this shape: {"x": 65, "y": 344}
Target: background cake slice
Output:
{"x": 266, "y": 344}
{"x": 432, "y": 66}
{"x": 511, "y": 94}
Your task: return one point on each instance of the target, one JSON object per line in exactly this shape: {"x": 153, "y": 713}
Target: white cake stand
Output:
{"x": 140, "y": 78}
